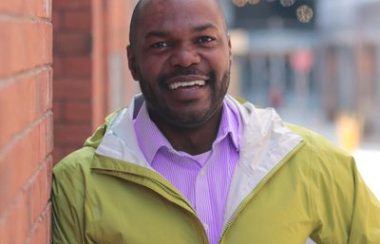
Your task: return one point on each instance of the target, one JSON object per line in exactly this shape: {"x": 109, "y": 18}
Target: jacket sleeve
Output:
{"x": 347, "y": 211}
{"x": 365, "y": 223}
{"x": 67, "y": 205}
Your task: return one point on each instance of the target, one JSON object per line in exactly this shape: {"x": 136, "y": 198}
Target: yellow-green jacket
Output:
{"x": 289, "y": 184}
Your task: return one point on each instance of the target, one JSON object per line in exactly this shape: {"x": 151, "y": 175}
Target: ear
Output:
{"x": 132, "y": 65}
{"x": 229, "y": 47}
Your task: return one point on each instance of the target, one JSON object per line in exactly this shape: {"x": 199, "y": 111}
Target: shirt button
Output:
{"x": 203, "y": 172}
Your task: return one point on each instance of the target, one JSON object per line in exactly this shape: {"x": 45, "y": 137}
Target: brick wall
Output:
{"x": 85, "y": 76}
{"x": 25, "y": 120}
{"x": 72, "y": 86}
{"x": 121, "y": 84}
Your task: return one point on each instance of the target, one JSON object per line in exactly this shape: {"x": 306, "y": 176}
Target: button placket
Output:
{"x": 202, "y": 197}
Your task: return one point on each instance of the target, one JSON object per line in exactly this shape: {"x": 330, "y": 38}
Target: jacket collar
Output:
{"x": 119, "y": 141}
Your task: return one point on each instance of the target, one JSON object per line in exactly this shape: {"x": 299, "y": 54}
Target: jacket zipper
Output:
{"x": 246, "y": 200}
{"x": 234, "y": 216}
{"x": 200, "y": 225}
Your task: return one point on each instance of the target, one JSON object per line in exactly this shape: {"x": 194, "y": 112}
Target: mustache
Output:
{"x": 182, "y": 71}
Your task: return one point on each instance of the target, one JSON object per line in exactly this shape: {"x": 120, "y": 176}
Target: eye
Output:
{"x": 159, "y": 45}
{"x": 205, "y": 39}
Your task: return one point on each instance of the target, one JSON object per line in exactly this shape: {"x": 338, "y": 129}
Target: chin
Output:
{"x": 190, "y": 120}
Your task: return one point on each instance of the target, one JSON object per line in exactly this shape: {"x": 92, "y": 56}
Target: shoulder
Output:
{"x": 74, "y": 166}
{"x": 317, "y": 145}
{"x": 68, "y": 196}
{"x": 328, "y": 165}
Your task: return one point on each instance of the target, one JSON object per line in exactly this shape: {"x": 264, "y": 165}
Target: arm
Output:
{"x": 67, "y": 204}
{"x": 347, "y": 210}
{"x": 365, "y": 225}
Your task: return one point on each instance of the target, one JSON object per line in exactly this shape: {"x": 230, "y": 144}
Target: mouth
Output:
{"x": 187, "y": 81}
{"x": 186, "y": 84}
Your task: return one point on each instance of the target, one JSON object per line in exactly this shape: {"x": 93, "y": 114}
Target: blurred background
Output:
{"x": 63, "y": 68}
{"x": 316, "y": 62}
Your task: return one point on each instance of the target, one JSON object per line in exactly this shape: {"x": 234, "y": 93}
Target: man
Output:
{"x": 186, "y": 163}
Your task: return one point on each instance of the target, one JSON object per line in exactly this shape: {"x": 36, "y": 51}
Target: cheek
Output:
{"x": 219, "y": 60}
{"x": 150, "y": 69}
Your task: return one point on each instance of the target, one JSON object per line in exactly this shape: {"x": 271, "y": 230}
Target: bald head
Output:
{"x": 142, "y": 4}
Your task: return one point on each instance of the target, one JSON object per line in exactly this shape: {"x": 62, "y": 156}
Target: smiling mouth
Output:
{"x": 187, "y": 84}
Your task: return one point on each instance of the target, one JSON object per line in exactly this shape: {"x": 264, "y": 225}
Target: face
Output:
{"x": 181, "y": 58}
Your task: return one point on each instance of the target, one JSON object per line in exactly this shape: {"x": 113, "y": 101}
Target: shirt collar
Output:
{"x": 151, "y": 139}
{"x": 230, "y": 125}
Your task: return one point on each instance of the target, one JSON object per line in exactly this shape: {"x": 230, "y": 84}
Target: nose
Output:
{"x": 184, "y": 56}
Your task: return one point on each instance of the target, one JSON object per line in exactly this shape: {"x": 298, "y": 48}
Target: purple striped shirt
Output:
{"x": 203, "y": 179}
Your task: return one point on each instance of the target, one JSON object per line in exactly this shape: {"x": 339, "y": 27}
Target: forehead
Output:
{"x": 179, "y": 15}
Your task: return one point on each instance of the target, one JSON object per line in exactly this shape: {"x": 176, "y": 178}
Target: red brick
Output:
{"x": 22, "y": 101}
{"x": 23, "y": 94}
{"x": 57, "y": 19}
{"x": 49, "y": 170}
{"x": 61, "y": 151}
{"x": 4, "y": 237}
{"x": 44, "y": 8}
{"x": 71, "y": 4}
{"x": 24, "y": 45}
{"x": 44, "y": 95}
{"x": 72, "y": 43}
{"x": 46, "y": 142}
{"x": 58, "y": 67}
{"x": 57, "y": 154}
{"x": 47, "y": 221}
{"x": 77, "y": 111}
{"x": 77, "y": 20}
{"x": 38, "y": 8}
{"x": 58, "y": 111}
{"x": 38, "y": 235}
{"x": 118, "y": 26}
{"x": 78, "y": 67}
{"x": 14, "y": 7}
{"x": 69, "y": 149}
{"x": 41, "y": 228}
{"x": 4, "y": 229}
{"x": 39, "y": 191}
{"x": 20, "y": 161}
{"x": 16, "y": 223}
{"x": 72, "y": 89}
{"x": 71, "y": 134}
{"x": 25, "y": 117}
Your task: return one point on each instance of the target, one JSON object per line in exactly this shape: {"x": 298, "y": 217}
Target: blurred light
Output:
{"x": 240, "y": 40}
{"x": 304, "y": 14}
{"x": 253, "y": 2}
{"x": 287, "y": 3}
{"x": 302, "y": 60}
{"x": 348, "y": 130}
{"x": 240, "y": 3}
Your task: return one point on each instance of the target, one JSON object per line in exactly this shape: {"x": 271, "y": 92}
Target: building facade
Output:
{"x": 350, "y": 61}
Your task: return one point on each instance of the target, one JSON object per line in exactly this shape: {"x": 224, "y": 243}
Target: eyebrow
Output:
{"x": 165, "y": 33}
{"x": 155, "y": 34}
{"x": 204, "y": 27}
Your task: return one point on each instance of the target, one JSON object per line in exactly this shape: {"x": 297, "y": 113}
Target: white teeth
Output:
{"x": 176, "y": 85}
